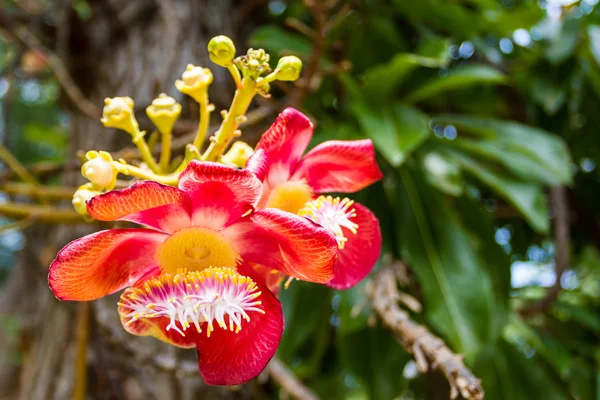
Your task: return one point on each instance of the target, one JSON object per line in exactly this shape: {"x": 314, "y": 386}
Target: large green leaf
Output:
{"x": 459, "y": 298}
{"x": 528, "y": 198}
{"x": 395, "y": 130}
{"x": 279, "y": 41}
{"x": 531, "y": 153}
{"x": 461, "y": 78}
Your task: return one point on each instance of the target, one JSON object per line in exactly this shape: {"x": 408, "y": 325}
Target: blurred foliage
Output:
{"x": 476, "y": 108}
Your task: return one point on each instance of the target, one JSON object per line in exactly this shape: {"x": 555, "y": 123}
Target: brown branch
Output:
{"x": 428, "y": 349}
{"x": 285, "y": 378}
{"x": 41, "y": 214}
{"x": 29, "y": 40}
{"x": 560, "y": 203}
{"x": 48, "y": 192}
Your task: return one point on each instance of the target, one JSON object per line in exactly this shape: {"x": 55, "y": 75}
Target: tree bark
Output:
{"x": 133, "y": 48}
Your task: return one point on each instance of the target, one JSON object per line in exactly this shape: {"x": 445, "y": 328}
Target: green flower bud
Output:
{"x": 254, "y": 64}
{"x": 288, "y": 68}
{"x": 221, "y": 51}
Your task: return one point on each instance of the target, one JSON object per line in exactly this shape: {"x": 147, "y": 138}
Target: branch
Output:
{"x": 281, "y": 374}
{"x": 427, "y": 348}
{"x": 563, "y": 249}
{"x": 47, "y": 192}
{"x": 41, "y": 214}
{"x": 29, "y": 40}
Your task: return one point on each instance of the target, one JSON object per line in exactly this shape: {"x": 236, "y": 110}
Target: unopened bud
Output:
{"x": 99, "y": 170}
{"x": 288, "y": 68}
{"x": 221, "y": 51}
{"x": 81, "y": 196}
{"x": 163, "y": 112}
{"x": 239, "y": 153}
{"x": 254, "y": 64}
{"x": 118, "y": 113}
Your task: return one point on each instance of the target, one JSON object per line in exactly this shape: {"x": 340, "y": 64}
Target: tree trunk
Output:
{"x": 133, "y": 48}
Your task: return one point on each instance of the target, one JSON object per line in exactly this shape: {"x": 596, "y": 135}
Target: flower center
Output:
{"x": 218, "y": 295}
{"x": 290, "y": 196}
{"x": 195, "y": 249}
{"x": 332, "y": 214}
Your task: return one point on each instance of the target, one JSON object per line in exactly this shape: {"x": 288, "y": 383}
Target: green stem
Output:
{"x": 145, "y": 152}
{"x": 235, "y": 73}
{"x": 204, "y": 121}
{"x": 165, "y": 152}
{"x": 131, "y": 170}
{"x": 241, "y": 101}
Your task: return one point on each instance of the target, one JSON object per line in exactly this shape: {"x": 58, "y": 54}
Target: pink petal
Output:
{"x": 102, "y": 263}
{"x": 344, "y": 166}
{"x": 258, "y": 164}
{"x": 285, "y": 242}
{"x": 284, "y": 143}
{"x": 360, "y": 252}
{"x": 147, "y": 203}
{"x": 220, "y": 194}
{"x": 228, "y": 358}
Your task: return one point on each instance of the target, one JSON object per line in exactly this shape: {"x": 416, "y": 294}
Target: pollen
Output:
{"x": 290, "y": 196}
{"x": 332, "y": 214}
{"x": 213, "y": 296}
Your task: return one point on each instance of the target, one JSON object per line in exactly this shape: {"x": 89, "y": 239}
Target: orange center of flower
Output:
{"x": 218, "y": 295}
{"x": 332, "y": 214}
{"x": 290, "y": 196}
{"x": 195, "y": 249}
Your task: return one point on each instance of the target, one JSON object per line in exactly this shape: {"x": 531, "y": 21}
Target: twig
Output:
{"x": 44, "y": 168}
{"x": 562, "y": 241}
{"x": 83, "y": 338}
{"x": 289, "y": 382}
{"x": 428, "y": 349}
{"x": 18, "y": 168}
{"x": 29, "y": 40}
{"x": 48, "y": 192}
{"x": 41, "y": 214}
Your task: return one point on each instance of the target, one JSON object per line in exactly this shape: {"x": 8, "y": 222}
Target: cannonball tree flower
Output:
{"x": 293, "y": 182}
{"x": 191, "y": 273}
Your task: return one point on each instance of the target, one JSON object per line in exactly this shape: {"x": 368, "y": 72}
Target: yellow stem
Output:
{"x": 165, "y": 152}
{"x": 140, "y": 142}
{"x": 83, "y": 337}
{"x": 241, "y": 101}
{"x": 235, "y": 73}
{"x": 204, "y": 120}
{"x": 191, "y": 152}
{"x": 131, "y": 170}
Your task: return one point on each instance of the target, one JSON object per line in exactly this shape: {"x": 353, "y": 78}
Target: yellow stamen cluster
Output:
{"x": 332, "y": 214}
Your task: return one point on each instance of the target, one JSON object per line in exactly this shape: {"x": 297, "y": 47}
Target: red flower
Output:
{"x": 291, "y": 181}
{"x": 176, "y": 295}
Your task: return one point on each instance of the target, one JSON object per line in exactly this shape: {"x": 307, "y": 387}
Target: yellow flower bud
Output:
{"x": 288, "y": 68}
{"x": 81, "y": 196}
{"x": 194, "y": 81}
{"x": 163, "y": 112}
{"x": 221, "y": 51}
{"x": 239, "y": 153}
{"x": 99, "y": 170}
{"x": 118, "y": 113}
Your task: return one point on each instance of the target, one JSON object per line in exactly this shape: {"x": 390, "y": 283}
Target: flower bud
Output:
{"x": 221, "y": 51}
{"x": 99, "y": 170}
{"x": 239, "y": 153}
{"x": 163, "y": 112}
{"x": 194, "y": 81}
{"x": 81, "y": 196}
{"x": 118, "y": 113}
{"x": 254, "y": 64}
{"x": 288, "y": 68}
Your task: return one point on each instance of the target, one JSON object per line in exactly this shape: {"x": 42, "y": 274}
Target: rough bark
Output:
{"x": 133, "y": 48}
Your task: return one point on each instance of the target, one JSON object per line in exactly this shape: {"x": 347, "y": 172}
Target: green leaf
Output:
{"x": 279, "y": 41}
{"x": 460, "y": 78}
{"x": 395, "y": 130}
{"x": 442, "y": 173}
{"x": 374, "y": 357}
{"x": 459, "y": 299}
{"x": 530, "y": 153}
{"x": 528, "y": 198}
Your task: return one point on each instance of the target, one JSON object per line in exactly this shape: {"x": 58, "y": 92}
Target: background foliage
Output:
{"x": 476, "y": 108}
